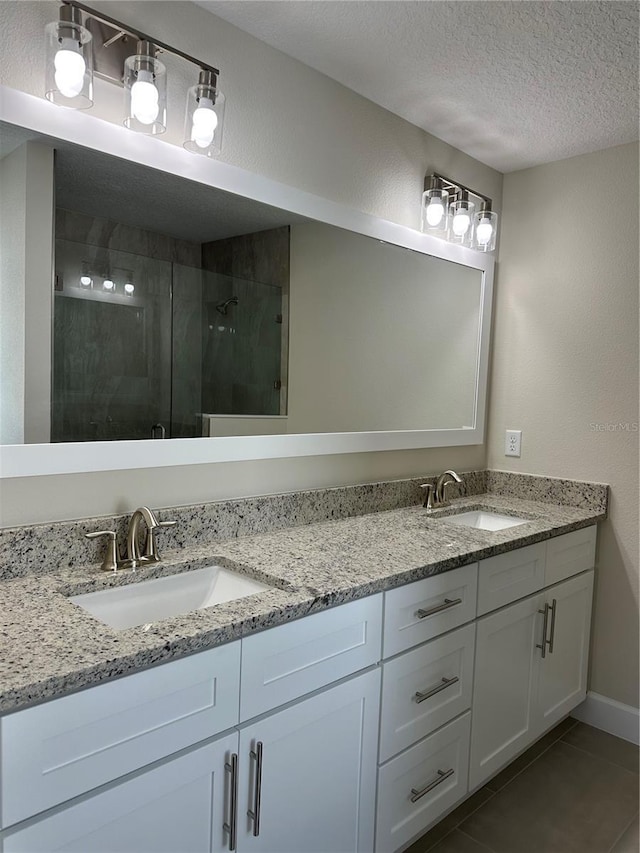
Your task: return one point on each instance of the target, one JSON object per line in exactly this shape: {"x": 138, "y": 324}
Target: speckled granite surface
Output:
{"x": 50, "y": 647}
{"x": 552, "y": 489}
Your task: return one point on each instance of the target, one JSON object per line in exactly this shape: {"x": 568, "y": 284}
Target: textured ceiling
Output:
{"x": 511, "y": 82}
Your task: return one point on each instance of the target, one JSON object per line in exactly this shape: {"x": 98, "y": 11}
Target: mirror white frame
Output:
{"x": 27, "y": 460}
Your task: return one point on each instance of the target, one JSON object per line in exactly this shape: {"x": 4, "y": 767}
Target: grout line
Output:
{"x": 601, "y": 758}
{"x": 479, "y": 843}
{"x": 461, "y": 821}
{"x": 610, "y": 850}
{"x": 533, "y": 760}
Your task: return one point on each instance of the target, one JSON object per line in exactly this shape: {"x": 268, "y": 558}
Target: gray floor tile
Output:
{"x": 630, "y": 841}
{"x": 604, "y": 745}
{"x": 518, "y": 765}
{"x": 458, "y": 842}
{"x": 567, "y": 801}
{"x": 450, "y": 822}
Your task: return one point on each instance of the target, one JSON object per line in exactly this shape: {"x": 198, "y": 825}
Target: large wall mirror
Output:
{"x": 183, "y": 322}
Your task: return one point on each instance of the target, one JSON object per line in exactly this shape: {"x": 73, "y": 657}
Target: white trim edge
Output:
{"x": 610, "y": 716}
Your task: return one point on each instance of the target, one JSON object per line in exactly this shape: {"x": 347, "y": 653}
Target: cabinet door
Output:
{"x": 503, "y": 721}
{"x": 180, "y": 806}
{"x": 308, "y": 773}
{"x": 562, "y": 674}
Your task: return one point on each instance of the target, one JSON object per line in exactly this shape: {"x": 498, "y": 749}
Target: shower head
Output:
{"x": 223, "y": 307}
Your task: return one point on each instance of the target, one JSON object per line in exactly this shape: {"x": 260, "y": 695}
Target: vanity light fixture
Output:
{"x": 145, "y": 85}
{"x": 84, "y": 43}
{"x": 129, "y": 288}
{"x": 85, "y": 277}
{"x": 449, "y": 212}
{"x": 205, "y": 114}
{"x": 109, "y": 285}
{"x": 435, "y": 207}
{"x": 69, "y": 70}
{"x": 486, "y": 227}
{"x": 461, "y": 219}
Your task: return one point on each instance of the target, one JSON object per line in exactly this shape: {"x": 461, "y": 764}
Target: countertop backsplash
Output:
{"x": 45, "y": 548}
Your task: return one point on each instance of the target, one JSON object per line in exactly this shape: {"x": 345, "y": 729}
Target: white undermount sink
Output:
{"x": 484, "y": 520}
{"x": 150, "y": 601}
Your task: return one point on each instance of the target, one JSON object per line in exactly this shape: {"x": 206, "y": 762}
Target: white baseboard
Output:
{"x": 610, "y": 716}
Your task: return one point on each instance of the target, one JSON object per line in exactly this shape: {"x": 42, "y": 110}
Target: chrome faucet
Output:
{"x": 436, "y": 496}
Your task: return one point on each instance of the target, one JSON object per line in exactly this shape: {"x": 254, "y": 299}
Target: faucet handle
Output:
{"x": 110, "y": 561}
{"x": 151, "y": 554}
{"x": 429, "y": 495}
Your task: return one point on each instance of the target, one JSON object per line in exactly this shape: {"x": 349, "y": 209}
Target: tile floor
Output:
{"x": 574, "y": 791}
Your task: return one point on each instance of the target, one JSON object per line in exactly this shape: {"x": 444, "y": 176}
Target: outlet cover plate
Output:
{"x": 512, "y": 442}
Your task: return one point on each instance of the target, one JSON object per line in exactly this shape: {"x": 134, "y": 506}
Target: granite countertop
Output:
{"x": 50, "y": 647}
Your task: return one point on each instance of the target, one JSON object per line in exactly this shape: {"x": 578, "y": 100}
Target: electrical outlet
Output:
{"x": 512, "y": 442}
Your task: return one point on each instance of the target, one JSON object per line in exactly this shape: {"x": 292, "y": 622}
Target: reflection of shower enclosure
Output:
{"x": 151, "y": 350}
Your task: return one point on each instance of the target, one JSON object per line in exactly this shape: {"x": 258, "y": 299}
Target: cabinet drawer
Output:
{"x": 510, "y": 576}
{"x": 55, "y": 751}
{"x": 425, "y": 688}
{"x": 570, "y": 554}
{"x": 436, "y": 766}
{"x": 288, "y": 661}
{"x": 422, "y": 610}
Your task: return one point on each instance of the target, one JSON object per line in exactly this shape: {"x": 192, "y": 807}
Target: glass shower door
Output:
{"x": 112, "y": 345}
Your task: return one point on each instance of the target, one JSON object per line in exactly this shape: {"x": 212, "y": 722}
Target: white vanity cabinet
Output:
{"x": 181, "y": 805}
{"x": 341, "y": 732}
{"x": 530, "y": 671}
{"x": 58, "y": 750}
{"x": 305, "y": 771}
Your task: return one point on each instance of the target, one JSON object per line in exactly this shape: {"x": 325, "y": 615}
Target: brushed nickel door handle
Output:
{"x": 553, "y": 625}
{"x": 446, "y": 682}
{"x": 254, "y": 813}
{"x": 545, "y": 624}
{"x": 442, "y": 775}
{"x": 447, "y": 603}
{"x": 232, "y": 826}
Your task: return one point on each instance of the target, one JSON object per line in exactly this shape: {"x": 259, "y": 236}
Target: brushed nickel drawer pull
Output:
{"x": 553, "y": 625}
{"x": 448, "y": 602}
{"x": 232, "y": 827}
{"x": 445, "y": 682}
{"x": 442, "y": 775}
{"x": 254, "y": 813}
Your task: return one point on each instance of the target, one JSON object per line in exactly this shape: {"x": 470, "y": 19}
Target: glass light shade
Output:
{"x": 485, "y": 230}
{"x": 145, "y": 90}
{"x": 69, "y": 65}
{"x": 204, "y": 121}
{"x": 461, "y": 222}
{"x": 435, "y": 212}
